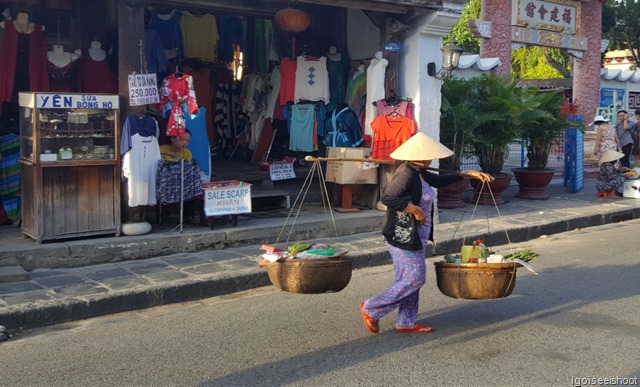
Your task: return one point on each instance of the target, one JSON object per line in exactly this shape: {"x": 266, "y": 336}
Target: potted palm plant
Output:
{"x": 498, "y": 96}
{"x": 458, "y": 119}
{"x": 540, "y": 133}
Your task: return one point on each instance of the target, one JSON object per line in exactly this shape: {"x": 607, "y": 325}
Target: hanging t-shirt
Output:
{"x": 229, "y": 33}
{"x": 287, "y": 80}
{"x": 199, "y": 144}
{"x": 134, "y": 124}
{"x": 203, "y": 87}
{"x": 338, "y": 71}
{"x": 140, "y": 166}
{"x": 170, "y": 33}
{"x": 154, "y": 52}
{"x": 272, "y": 99}
{"x": 389, "y": 133}
{"x": 200, "y": 36}
{"x": 301, "y": 136}
{"x": 312, "y": 80}
{"x": 343, "y": 129}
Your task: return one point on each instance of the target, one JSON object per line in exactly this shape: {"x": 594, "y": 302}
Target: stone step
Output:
{"x": 284, "y": 198}
{"x": 13, "y": 274}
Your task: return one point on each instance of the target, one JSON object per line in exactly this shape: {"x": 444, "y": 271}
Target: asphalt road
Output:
{"x": 577, "y": 319}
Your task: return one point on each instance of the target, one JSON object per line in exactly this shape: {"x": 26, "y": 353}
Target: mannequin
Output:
{"x": 95, "y": 74}
{"x": 333, "y": 54}
{"x": 22, "y": 24}
{"x": 359, "y": 71}
{"x": 375, "y": 87}
{"x": 59, "y": 57}
{"x": 96, "y": 52}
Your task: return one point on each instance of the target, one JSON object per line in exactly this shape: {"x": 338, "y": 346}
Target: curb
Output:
{"x": 368, "y": 250}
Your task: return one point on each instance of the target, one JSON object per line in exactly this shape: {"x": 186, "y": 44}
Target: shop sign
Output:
{"x": 281, "y": 171}
{"x": 392, "y": 46}
{"x": 143, "y": 89}
{"x": 76, "y": 101}
{"x": 607, "y": 94}
{"x": 227, "y": 200}
{"x": 553, "y": 15}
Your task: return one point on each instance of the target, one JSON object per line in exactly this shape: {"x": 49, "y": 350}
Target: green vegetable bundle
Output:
{"x": 523, "y": 255}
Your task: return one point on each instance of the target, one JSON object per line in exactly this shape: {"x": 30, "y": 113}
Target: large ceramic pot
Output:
{"x": 483, "y": 195}
{"x": 450, "y": 196}
{"x": 533, "y": 183}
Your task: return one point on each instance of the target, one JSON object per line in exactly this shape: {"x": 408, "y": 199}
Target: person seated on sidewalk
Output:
{"x": 177, "y": 149}
{"x": 609, "y": 179}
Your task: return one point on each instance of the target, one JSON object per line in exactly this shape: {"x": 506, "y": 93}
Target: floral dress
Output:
{"x": 177, "y": 97}
{"x": 607, "y": 141}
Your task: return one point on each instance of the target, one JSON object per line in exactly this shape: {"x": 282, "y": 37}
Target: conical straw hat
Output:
{"x": 610, "y": 155}
{"x": 421, "y": 147}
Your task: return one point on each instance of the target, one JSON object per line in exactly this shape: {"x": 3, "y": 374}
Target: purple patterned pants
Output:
{"x": 410, "y": 270}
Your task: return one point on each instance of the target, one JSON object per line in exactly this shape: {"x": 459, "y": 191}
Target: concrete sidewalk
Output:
{"x": 201, "y": 263}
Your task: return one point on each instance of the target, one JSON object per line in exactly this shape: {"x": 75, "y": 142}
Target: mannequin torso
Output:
{"x": 59, "y": 57}
{"x": 333, "y": 54}
{"x": 22, "y": 24}
{"x": 359, "y": 71}
{"x": 96, "y": 52}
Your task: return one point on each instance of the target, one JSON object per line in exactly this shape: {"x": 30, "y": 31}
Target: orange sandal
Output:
{"x": 369, "y": 323}
{"x": 416, "y": 329}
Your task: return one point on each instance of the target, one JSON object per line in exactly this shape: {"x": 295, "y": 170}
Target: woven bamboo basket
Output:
{"x": 476, "y": 281}
{"x": 311, "y": 276}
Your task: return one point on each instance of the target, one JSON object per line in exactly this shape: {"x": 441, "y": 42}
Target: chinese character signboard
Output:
{"x": 554, "y": 15}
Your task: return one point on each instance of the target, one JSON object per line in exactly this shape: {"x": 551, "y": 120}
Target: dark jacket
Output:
{"x": 406, "y": 187}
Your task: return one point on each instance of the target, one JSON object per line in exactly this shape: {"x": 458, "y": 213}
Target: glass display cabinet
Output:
{"x": 69, "y": 150}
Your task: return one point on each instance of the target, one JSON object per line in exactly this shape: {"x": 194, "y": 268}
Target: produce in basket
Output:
{"x": 523, "y": 255}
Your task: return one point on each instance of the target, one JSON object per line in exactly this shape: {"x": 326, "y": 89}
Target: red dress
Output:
{"x": 62, "y": 79}
{"x": 177, "y": 97}
{"x": 96, "y": 76}
{"x": 38, "y": 77}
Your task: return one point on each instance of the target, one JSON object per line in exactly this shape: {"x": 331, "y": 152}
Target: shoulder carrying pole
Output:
{"x": 376, "y": 161}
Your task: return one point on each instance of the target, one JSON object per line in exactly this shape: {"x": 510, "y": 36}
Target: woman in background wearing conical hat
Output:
{"x": 408, "y": 228}
{"x": 609, "y": 179}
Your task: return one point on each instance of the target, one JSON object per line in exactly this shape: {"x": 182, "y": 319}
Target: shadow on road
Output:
{"x": 556, "y": 295}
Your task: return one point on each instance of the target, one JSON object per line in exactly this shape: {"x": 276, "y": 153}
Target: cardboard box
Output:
{"x": 350, "y": 172}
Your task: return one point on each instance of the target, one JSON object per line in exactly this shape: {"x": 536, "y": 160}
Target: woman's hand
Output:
{"x": 484, "y": 177}
{"x": 416, "y": 212}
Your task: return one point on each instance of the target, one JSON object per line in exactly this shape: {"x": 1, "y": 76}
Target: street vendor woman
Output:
{"x": 408, "y": 227}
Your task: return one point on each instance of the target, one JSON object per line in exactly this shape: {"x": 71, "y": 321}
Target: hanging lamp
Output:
{"x": 292, "y": 20}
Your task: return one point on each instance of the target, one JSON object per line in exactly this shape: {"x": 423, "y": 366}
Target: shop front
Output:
{"x": 241, "y": 84}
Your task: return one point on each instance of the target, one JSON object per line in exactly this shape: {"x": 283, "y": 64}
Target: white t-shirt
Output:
{"x": 312, "y": 80}
{"x": 140, "y": 166}
{"x": 375, "y": 89}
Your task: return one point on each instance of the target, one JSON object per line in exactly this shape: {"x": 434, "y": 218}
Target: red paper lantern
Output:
{"x": 292, "y": 20}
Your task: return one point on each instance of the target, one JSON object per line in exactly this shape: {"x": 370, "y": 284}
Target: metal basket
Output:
{"x": 476, "y": 281}
{"x": 311, "y": 276}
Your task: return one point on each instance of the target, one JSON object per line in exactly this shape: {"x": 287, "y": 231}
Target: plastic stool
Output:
{"x": 603, "y": 194}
